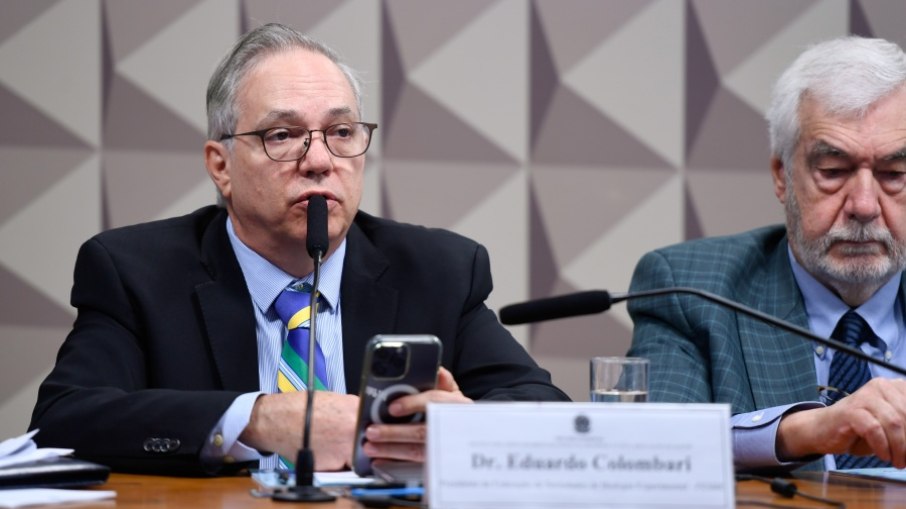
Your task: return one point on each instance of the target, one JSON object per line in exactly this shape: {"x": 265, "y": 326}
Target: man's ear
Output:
{"x": 216, "y": 161}
{"x": 778, "y": 173}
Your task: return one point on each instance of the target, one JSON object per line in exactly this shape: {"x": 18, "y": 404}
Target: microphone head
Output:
{"x": 550, "y": 308}
{"x": 316, "y": 241}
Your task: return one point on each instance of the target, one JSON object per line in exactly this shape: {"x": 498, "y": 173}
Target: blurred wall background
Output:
{"x": 568, "y": 136}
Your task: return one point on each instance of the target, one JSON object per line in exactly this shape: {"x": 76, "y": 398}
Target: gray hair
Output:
{"x": 261, "y": 42}
{"x": 845, "y": 75}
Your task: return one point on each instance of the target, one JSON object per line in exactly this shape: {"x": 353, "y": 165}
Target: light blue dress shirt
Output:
{"x": 265, "y": 282}
{"x": 755, "y": 433}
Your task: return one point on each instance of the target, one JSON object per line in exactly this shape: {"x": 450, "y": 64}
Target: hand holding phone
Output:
{"x": 395, "y": 366}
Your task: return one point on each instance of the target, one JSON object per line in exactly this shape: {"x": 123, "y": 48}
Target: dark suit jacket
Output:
{"x": 165, "y": 335}
{"x": 701, "y": 352}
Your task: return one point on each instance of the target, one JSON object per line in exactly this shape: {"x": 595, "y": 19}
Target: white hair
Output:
{"x": 845, "y": 75}
{"x": 247, "y": 52}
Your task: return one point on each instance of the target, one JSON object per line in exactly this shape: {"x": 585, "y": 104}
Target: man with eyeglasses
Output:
{"x": 837, "y": 124}
{"x": 172, "y": 364}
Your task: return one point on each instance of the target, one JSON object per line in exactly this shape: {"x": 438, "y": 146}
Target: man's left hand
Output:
{"x": 407, "y": 441}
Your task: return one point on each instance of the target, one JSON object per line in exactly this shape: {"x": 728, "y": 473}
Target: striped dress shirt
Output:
{"x": 265, "y": 282}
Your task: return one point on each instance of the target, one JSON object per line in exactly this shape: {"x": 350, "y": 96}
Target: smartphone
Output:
{"x": 395, "y": 366}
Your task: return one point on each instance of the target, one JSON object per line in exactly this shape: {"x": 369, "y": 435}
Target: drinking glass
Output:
{"x": 619, "y": 379}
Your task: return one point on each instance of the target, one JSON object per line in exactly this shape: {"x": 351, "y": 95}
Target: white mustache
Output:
{"x": 859, "y": 233}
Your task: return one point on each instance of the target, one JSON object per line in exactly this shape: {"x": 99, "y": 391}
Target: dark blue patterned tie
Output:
{"x": 848, "y": 373}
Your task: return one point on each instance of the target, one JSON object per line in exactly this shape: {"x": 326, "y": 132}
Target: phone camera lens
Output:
{"x": 390, "y": 361}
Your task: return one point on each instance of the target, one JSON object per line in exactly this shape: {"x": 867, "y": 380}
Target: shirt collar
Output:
{"x": 825, "y": 309}
{"x": 265, "y": 280}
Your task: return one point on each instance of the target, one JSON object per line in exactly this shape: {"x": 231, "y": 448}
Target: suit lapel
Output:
{"x": 369, "y": 303}
{"x": 226, "y": 311}
{"x": 780, "y": 365}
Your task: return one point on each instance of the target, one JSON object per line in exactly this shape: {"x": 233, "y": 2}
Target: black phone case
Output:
{"x": 376, "y": 391}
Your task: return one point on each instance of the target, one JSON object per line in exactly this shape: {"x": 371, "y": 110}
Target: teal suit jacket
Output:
{"x": 701, "y": 352}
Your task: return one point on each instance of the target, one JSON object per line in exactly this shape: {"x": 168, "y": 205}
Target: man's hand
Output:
{"x": 407, "y": 441}
{"x": 277, "y": 421}
{"x": 870, "y": 421}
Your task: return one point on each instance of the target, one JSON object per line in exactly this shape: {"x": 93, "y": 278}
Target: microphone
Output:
{"x": 551, "y": 308}
{"x": 316, "y": 243}
{"x": 597, "y": 301}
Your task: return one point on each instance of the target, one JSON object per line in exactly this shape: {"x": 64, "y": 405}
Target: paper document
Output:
{"x": 277, "y": 480}
{"x": 884, "y": 473}
{"x": 22, "y": 449}
{"x": 41, "y": 496}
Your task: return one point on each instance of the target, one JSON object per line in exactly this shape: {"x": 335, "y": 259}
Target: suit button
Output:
{"x": 161, "y": 445}
{"x": 171, "y": 444}
{"x": 218, "y": 440}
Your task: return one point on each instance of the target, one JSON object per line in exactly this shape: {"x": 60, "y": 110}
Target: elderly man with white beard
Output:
{"x": 837, "y": 124}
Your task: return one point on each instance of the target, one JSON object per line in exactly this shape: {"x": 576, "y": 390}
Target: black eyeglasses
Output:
{"x": 290, "y": 143}
{"x": 829, "y": 395}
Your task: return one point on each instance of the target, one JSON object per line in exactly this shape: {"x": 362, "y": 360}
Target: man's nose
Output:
{"x": 863, "y": 196}
{"x": 318, "y": 158}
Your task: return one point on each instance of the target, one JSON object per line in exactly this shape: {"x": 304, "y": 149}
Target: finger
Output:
{"x": 402, "y": 433}
{"x": 890, "y": 414}
{"x": 445, "y": 381}
{"x": 876, "y": 416}
{"x": 395, "y": 451}
{"x": 895, "y": 393}
{"x": 895, "y": 435}
{"x": 866, "y": 426}
{"x": 415, "y": 403}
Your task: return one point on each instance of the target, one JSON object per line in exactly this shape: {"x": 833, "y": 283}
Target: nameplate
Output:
{"x": 543, "y": 455}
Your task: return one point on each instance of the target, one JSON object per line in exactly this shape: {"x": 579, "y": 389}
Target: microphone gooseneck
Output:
{"x": 316, "y": 243}
{"x": 596, "y": 301}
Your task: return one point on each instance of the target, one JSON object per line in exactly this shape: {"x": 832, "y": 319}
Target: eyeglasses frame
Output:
{"x": 261, "y": 132}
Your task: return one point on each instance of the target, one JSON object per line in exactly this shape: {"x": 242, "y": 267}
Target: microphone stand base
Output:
{"x": 304, "y": 494}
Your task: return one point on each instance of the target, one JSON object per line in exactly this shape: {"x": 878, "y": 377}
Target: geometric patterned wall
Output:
{"x": 568, "y": 137}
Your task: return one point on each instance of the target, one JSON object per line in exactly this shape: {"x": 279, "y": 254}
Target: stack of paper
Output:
{"x": 22, "y": 449}
{"x": 13, "y": 499}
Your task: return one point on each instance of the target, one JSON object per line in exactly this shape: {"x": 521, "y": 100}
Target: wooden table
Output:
{"x": 140, "y": 491}
{"x": 856, "y": 493}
